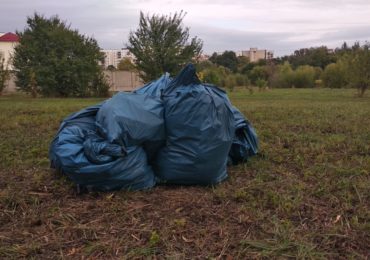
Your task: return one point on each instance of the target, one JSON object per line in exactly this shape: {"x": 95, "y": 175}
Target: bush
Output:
{"x": 211, "y": 76}
{"x": 318, "y": 73}
{"x": 304, "y": 77}
{"x": 261, "y": 83}
{"x": 283, "y": 77}
{"x": 318, "y": 83}
{"x": 229, "y": 82}
{"x": 4, "y": 74}
{"x": 258, "y": 72}
{"x": 215, "y": 75}
{"x": 100, "y": 86}
{"x": 286, "y": 77}
{"x": 203, "y": 65}
{"x": 334, "y": 76}
{"x": 241, "y": 80}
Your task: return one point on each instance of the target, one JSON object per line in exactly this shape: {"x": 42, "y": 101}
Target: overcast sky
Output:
{"x": 278, "y": 25}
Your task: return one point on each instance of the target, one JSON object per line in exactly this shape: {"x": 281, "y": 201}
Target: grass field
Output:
{"x": 306, "y": 195}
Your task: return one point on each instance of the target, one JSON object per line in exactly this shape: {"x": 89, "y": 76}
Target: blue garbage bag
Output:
{"x": 156, "y": 87}
{"x": 132, "y": 120}
{"x": 91, "y": 161}
{"x": 245, "y": 143}
{"x": 186, "y": 130}
{"x": 200, "y": 130}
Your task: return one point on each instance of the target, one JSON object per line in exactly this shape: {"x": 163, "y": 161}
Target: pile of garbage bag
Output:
{"x": 177, "y": 131}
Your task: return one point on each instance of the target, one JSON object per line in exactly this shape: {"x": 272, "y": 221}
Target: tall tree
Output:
{"x": 160, "y": 44}
{"x": 227, "y": 59}
{"x": 51, "y": 59}
{"x": 314, "y": 56}
{"x": 357, "y": 67}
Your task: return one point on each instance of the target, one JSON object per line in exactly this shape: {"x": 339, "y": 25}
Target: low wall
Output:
{"x": 123, "y": 80}
{"x": 10, "y": 86}
{"x": 118, "y": 80}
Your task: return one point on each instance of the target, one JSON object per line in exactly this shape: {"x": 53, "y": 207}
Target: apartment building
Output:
{"x": 113, "y": 57}
{"x": 255, "y": 54}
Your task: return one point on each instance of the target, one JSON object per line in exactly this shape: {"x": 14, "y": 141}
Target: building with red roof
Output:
{"x": 8, "y": 41}
{"x": 9, "y": 37}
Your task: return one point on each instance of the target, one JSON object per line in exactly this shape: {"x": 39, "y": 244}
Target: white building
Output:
{"x": 113, "y": 57}
{"x": 255, "y": 55}
{"x": 7, "y": 43}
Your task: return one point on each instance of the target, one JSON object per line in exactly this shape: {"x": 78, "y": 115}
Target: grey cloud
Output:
{"x": 109, "y": 24}
{"x": 111, "y": 21}
{"x": 216, "y": 39}
{"x": 361, "y": 33}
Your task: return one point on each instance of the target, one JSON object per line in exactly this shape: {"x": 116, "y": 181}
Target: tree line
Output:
{"x": 346, "y": 66}
{"x": 52, "y": 59}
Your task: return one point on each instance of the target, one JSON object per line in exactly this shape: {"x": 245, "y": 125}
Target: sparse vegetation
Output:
{"x": 306, "y": 195}
{"x": 4, "y": 74}
{"x": 126, "y": 64}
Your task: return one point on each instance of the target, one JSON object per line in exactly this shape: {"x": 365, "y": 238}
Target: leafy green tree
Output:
{"x": 227, "y": 59}
{"x": 160, "y": 44}
{"x": 51, "y": 59}
{"x": 247, "y": 68}
{"x": 334, "y": 76}
{"x": 126, "y": 64}
{"x": 243, "y": 63}
{"x": 357, "y": 67}
{"x": 4, "y": 74}
{"x": 314, "y": 56}
{"x": 344, "y": 49}
{"x": 213, "y": 58}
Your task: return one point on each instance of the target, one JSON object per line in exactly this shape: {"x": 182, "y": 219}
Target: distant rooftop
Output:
{"x": 9, "y": 37}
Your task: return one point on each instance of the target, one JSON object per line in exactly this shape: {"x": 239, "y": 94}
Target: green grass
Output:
{"x": 306, "y": 195}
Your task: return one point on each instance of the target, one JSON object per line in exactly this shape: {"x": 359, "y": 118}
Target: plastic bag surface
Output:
{"x": 200, "y": 130}
{"x": 92, "y": 162}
